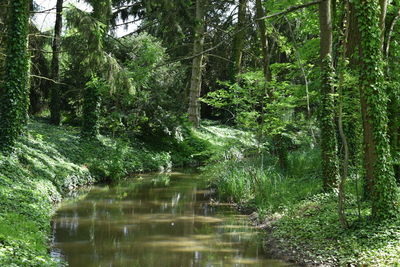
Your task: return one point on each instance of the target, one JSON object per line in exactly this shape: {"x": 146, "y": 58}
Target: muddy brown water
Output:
{"x": 155, "y": 220}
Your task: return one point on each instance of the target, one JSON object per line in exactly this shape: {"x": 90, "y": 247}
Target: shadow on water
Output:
{"x": 154, "y": 220}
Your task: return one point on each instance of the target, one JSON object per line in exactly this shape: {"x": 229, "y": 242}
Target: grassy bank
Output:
{"x": 49, "y": 162}
{"x": 301, "y": 221}
{"x": 311, "y": 229}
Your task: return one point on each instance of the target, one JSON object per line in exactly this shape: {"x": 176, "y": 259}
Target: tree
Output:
{"x": 92, "y": 97}
{"x": 374, "y": 112}
{"x": 392, "y": 75}
{"x": 55, "y": 94}
{"x": 262, "y": 28}
{"x": 238, "y": 40}
{"x": 330, "y": 169}
{"x": 352, "y": 122}
{"x": 14, "y": 93}
{"x": 197, "y": 64}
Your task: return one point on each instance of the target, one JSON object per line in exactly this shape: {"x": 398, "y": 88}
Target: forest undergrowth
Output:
{"x": 300, "y": 220}
{"x": 48, "y": 163}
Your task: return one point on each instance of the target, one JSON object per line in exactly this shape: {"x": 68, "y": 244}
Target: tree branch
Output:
{"x": 232, "y": 32}
{"x": 47, "y": 79}
{"x": 291, "y": 9}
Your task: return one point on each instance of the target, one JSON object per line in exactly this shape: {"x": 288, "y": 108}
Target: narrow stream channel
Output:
{"x": 155, "y": 220}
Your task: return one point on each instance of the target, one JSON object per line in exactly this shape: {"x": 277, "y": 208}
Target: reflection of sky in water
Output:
{"x": 153, "y": 223}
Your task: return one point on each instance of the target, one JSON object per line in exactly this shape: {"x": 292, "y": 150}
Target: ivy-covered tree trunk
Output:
{"x": 55, "y": 94}
{"x": 196, "y": 79}
{"x": 238, "y": 41}
{"x": 14, "y": 86}
{"x": 374, "y": 111}
{"x": 330, "y": 168}
{"x": 92, "y": 96}
{"x": 91, "y": 108}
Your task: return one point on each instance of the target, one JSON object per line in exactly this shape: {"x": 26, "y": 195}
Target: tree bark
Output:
{"x": 238, "y": 41}
{"x": 55, "y": 94}
{"x": 330, "y": 167}
{"x": 343, "y": 137}
{"x": 262, "y": 28}
{"x": 15, "y": 80}
{"x": 382, "y": 19}
{"x": 196, "y": 79}
{"x": 352, "y": 52}
{"x": 352, "y": 121}
{"x": 389, "y": 35}
{"x": 394, "y": 105}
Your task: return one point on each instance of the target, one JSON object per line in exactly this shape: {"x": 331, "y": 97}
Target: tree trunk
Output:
{"x": 55, "y": 94}
{"x": 92, "y": 96}
{"x": 14, "y": 86}
{"x": 389, "y": 34}
{"x": 262, "y": 28}
{"x": 394, "y": 105}
{"x": 382, "y": 18}
{"x": 195, "y": 84}
{"x": 356, "y": 62}
{"x": 330, "y": 167}
{"x": 394, "y": 130}
{"x": 352, "y": 121}
{"x": 238, "y": 41}
{"x": 374, "y": 113}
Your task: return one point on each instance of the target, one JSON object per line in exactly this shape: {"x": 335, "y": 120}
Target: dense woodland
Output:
{"x": 314, "y": 84}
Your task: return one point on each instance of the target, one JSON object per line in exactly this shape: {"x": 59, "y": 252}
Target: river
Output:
{"x": 153, "y": 220}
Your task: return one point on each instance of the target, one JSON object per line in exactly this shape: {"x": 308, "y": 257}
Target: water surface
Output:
{"x": 154, "y": 220}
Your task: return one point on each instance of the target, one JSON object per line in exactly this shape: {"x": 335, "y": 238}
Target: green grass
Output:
{"x": 304, "y": 221}
{"x": 51, "y": 161}
{"x": 48, "y": 162}
{"x": 264, "y": 186}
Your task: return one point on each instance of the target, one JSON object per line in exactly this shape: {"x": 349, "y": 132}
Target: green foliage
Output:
{"x": 265, "y": 186}
{"x": 47, "y": 163}
{"x": 152, "y": 103}
{"x": 25, "y": 247}
{"x": 14, "y": 83}
{"x": 91, "y": 107}
{"x": 253, "y": 109}
{"x": 312, "y": 229}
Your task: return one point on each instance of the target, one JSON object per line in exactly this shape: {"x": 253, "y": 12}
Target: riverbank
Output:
{"x": 301, "y": 222}
{"x": 48, "y": 163}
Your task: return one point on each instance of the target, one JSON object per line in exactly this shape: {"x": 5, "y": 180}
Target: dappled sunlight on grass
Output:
{"x": 49, "y": 162}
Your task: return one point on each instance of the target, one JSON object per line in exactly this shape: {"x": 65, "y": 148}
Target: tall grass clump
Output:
{"x": 263, "y": 185}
